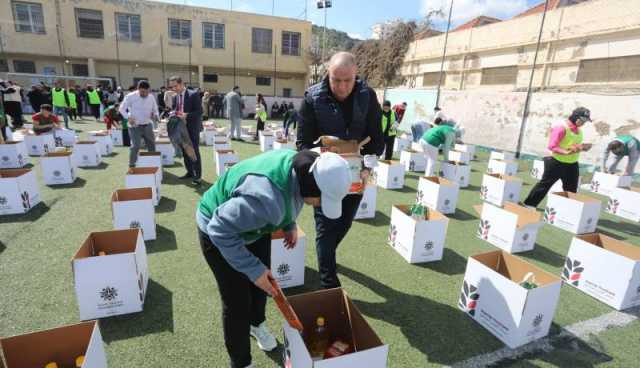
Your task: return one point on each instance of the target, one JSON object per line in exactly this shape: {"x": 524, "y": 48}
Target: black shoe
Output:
{"x": 196, "y": 182}
{"x": 186, "y": 176}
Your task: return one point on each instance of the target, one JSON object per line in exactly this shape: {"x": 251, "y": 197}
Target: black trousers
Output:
{"x": 329, "y": 234}
{"x": 388, "y": 147}
{"x": 95, "y": 110}
{"x": 554, "y": 170}
{"x": 243, "y": 303}
{"x": 259, "y": 128}
{"x": 14, "y": 109}
{"x": 194, "y": 168}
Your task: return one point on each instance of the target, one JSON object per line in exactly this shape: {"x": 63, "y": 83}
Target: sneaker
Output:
{"x": 264, "y": 338}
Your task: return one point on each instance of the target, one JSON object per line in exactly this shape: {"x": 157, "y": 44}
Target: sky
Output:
{"x": 356, "y": 17}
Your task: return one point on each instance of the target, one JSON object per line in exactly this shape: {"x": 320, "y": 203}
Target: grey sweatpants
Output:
{"x": 137, "y": 134}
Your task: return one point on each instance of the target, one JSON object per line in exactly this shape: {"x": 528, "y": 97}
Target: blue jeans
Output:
{"x": 62, "y": 111}
{"x": 329, "y": 234}
{"x": 417, "y": 131}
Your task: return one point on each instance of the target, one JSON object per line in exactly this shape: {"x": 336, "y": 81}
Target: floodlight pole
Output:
{"x": 444, "y": 54}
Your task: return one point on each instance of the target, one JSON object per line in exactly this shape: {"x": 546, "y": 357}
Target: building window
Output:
{"x": 291, "y": 43}
{"x": 286, "y": 92}
{"x": 49, "y": 70}
{"x": 28, "y": 17}
{"x": 261, "y": 40}
{"x": 433, "y": 78}
{"x": 180, "y": 32}
{"x": 4, "y": 66}
{"x": 210, "y": 78}
{"x": 498, "y": 76}
{"x": 619, "y": 69}
{"x": 213, "y": 35}
{"x": 81, "y": 70}
{"x": 129, "y": 27}
{"x": 263, "y": 81}
{"x": 24, "y": 66}
{"x": 89, "y": 23}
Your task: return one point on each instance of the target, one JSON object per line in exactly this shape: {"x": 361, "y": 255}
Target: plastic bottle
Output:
{"x": 319, "y": 340}
{"x": 51, "y": 365}
{"x": 79, "y": 361}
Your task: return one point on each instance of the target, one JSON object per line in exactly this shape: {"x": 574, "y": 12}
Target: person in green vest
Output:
{"x": 236, "y": 218}
{"x": 261, "y": 119}
{"x": 60, "y": 102}
{"x": 441, "y": 134}
{"x": 389, "y": 127}
{"x": 565, "y": 144}
{"x": 73, "y": 104}
{"x": 624, "y": 145}
{"x": 94, "y": 101}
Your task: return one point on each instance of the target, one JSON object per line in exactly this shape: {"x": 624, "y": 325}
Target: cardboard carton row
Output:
{"x": 134, "y": 209}
{"x": 457, "y": 172}
{"x": 367, "y": 208}
{"x": 625, "y": 203}
{"x": 266, "y": 139}
{"x": 150, "y": 159}
{"x": 225, "y": 159}
{"x": 38, "y": 145}
{"x": 401, "y": 143}
{"x": 460, "y": 156}
{"x": 413, "y": 161}
{"x": 87, "y": 154}
{"x": 468, "y": 148}
{"x": 167, "y": 151}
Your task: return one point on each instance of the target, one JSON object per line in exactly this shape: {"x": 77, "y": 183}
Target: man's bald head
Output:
{"x": 342, "y": 74}
{"x": 342, "y": 59}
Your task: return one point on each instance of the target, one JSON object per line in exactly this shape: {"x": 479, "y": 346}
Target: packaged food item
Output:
{"x": 319, "y": 340}
{"x": 529, "y": 281}
{"x": 418, "y": 212}
{"x": 337, "y": 349}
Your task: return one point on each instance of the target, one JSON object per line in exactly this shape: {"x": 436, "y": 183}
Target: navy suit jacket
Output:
{"x": 193, "y": 109}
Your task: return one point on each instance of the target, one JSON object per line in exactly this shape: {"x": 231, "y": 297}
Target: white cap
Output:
{"x": 333, "y": 176}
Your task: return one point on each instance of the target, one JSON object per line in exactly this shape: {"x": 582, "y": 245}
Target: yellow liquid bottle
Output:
{"x": 51, "y": 365}
{"x": 79, "y": 361}
{"x": 319, "y": 341}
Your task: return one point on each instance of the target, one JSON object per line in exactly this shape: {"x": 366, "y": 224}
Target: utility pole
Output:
{"x": 444, "y": 54}
{"x": 306, "y": 6}
{"x": 231, "y": 6}
{"x": 324, "y": 4}
{"x": 273, "y": 7}
{"x": 275, "y": 69}
{"x": 164, "y": 71}
{"x": 115, "y": 20}
{"x": 235, "y": 72}
{"x": 190, "y": 61}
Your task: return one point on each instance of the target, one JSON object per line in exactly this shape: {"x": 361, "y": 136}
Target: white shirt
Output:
{"x": 139, "y": 108}
{"x": 13, "y": 97}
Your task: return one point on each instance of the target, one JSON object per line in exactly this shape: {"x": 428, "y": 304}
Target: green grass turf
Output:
{"x": 412, "y": 307}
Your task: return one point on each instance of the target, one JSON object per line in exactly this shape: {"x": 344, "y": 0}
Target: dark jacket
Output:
{"x": 356, "y": 118}
{"x": 193, "y": 109}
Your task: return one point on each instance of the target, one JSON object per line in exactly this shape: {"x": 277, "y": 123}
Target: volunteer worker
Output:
{"x": 389, "y": 126}
{"x": 624, "y": 145}
{"x": 565, "y": 145}
{"x": 440, "y": 135}
{"x": 236, "y": 217}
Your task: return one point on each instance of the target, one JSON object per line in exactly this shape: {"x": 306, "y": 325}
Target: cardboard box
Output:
{"x": 401, "y": 144}
{"x": 266, "y": 141}
{"x": 150, "y": 159}
{"x": 59, "y": 168}
{"x": 133, "y": 209}
{"x": 18, "y": 191}
{"x": 605, "y": 183}
{"x": 468, "y": 148}
{"x": 284, "y": 144}
{"x": 499, "y": 189}
{"x": 65, "y": 137}
{"x": 438, "y": 194}
{"x": 459, "y": 156}
{"x": 61, "y": 345}
{"x": 413, "y": 160}
{"x": 625, "y": 203}
{"x": 145, "y": 177}
{"x": 38, "y": 145}
{"x": 224, "y": 159}
{"x": 509, "y": 168}
{"x": 287, "y": 265}
{"x": 116, "y": 137}
{"x": 502, "y": 156}
{"x": 105, "y": 143}
{"x": 113, "y": 284}
{"x": 460, "y": 173}
{"x": 367, "y": 208}
{"x": 576, "y": 213}
{"x": 389, "y": 174}
{"x": 605, "y": 268}
{"x": 167, "y": 151}
{"x": 13, "y": 155}
{"x": 491, "y": 295}
{"x": 537, "y": 169}
{"x": 209, "y": 136}
{"x": 344, "y": 321}
{"x": 87, "y": 154}
{"x": 513, "y": 228}
{"x": 417, "y": 241}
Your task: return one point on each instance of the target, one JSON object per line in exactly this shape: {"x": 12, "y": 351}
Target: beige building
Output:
{"x": 130, "y": 40}
{"x": 585, "y": 45}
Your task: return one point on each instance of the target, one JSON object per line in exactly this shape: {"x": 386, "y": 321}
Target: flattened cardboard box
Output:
{"x": 500, "y": 189}
{"x": 59, "y": 168}
{"x": 105, "y": 143}
{"x": 605, "y": 268}
{"x": 287, "y": 265}
{"x": 625, "y": 203}
{"x": 18, "y": 191}
{"x": 438, "y": 194}
{"x": 413, "y": 161}
{"x": 151, "y": 159}
{"x": 605, "y": 183}
{"x": 389, "y": 174}
{"x": 87, "y": 154}
{"x": 13, "y": 155}
{"x": 367, "y": 208}
{"x": 513, "y": 228}
{"x": 38, "y": 145}
{"x": 61, "y": 345}
{"x": 509, "y": 168}
{"x": 167, "y": 151}
{"x": 468, "y": 148}
{"x": 576, "y": 213}
{"x": 223, "y": 160}
{"x": 401, "y": 144}
{"x": 143, "y": 177}
{"x": 457, "y": 172}
{"x": 417, "y": 241}
{"x": 459, "y": 156}
{"x": 491, "y": 294}
{"x": 113, "y": 284}
{"x": 344, "y": 321}
{"x": 133, "y": 209}
{"x": 537, "y": 169}
{"x": 502, "y": 156}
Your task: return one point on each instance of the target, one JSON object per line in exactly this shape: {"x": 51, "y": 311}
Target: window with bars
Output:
{"x": 291, "y": 43}
{"x": 210, "y": 78}
{"x": 81, "y": 70}
{"x": 24, "y": 66}
{"x": 261, "y": 40}
{"x": 89, "y": 23}
{"x": 617, "y": 69}
{"x": 4, "y": 66}
{"x": 28, "y": 17}
{"x": 213, "y": 35}
{"x": 500, "y": 75}
{"x": 263, "y": 81}
{"x": 286, "y": 92}
{"x": 180, "y": 32}
{"x": 129, "y": 28}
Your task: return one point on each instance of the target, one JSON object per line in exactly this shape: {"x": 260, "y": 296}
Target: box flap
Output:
{"x": 340, "y": 146}
{"x": 133, "y": 194}
{"x": 514, "y": 268}
{"x": 100, "y": 133}
{"x": 613, "y": 245}
{"x": 526, "y": 216}
{"x": 223, "y": 152}
{"x": 440, "y": 181}
{"x": 362, "y": 334}
{"x": 13, "y": 173}
{"x": 142, "y": 170}
{"x": 163, "y": 141}
{"x": 86, "y": 142}
{"x": 111, "y": 242}
{"x": 280, "y": 234}
{"x": 58, "y": 154}
{"x": 12, "y": 142}
{"x": 150, "y": 154}
{"x": 285, "y": 307}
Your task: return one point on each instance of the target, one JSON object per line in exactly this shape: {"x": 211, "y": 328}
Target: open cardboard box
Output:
{"x": 61, "y": 345}
{"x": 167, "y": 151}
{"x": 389, "y": 174}
{"x": 38, "y": 145}
{"x": 150, "y": 159}
{"x": 605, "y": 183}
{"x": 87, "y": 154}
{"x": 133, "y": 209}
{"x": 116, "y": 137}
{"x": 502, "y": 156}
{"x": 223, "y": 158}
{"x": 13, "y": 155}
{"x": 509, "y": 168}
{"x": 104, "y": 140}
{"x": 413, "y": 160}
{"x": 287, "y": 265}
{"x": 468, "y": 148}
{"x": 492, "y": 295}
{"x": 417, "y": 241}
{"x": 513, "y": 228}
{"x": 367, "y": 208}
{"x": 625, "y": 203}
{"x": 338, "y": 145}
{"x": 576, "y": 213}
{"x": 438, "y": 194}
{"x": 500, "y": 189}
{"x": 65, "y": 137}
{"x": 459, "y": 156}
{"x": 18, "y": 191}
{"x": 58, "y": 168}
{"x": 344, "y": 322}
{"x": 455, "y": 171}
{"x": 605, "y": 268}
{"x": 145, "y": 177}
{"x": 113, "y": 284}
{"x": 537, "y": 169}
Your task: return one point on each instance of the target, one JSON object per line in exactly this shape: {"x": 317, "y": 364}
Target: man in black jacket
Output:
{"x": 188, "y": 105}
{"x": 345, "y": 107}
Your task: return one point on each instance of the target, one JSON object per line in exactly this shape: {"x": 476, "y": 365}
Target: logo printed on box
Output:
{"x": 393, "y": 232}
{"x": 108, "y": 293}
{"x": 612, "y": 206}
{"x": 484, "y": 191}
{"x": 538, "y": 320}
{"x": 483, "y": 229}
{"x": 595, "y": 185}
{"x": 56, "y": 173}
{"x": 572, "y": 271}
{"x": 468, "y": 298}
{"x": 284, "y": 269}
{"x": 428, "y": 245}
{"x": 550, "y": 215}
{"x": 25, "y": 200}
{"x": 3, "y": 201}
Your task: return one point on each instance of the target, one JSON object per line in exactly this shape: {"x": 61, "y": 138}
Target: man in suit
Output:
{"x": 188, "y": 105}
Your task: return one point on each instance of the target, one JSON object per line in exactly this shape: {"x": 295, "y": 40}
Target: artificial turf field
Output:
{"x": 413, "y": 308}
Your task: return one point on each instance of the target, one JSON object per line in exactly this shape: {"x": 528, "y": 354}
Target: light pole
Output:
{"x": 444, "y": 54}
{"x": 324, "y": 4}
